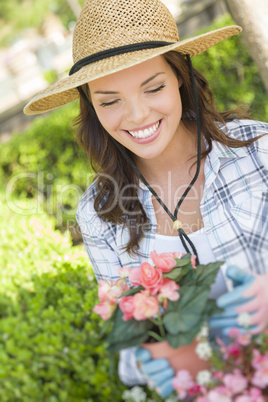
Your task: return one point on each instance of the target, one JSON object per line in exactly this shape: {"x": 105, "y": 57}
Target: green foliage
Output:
{"x": 50, "y": 76}
{"x": 232, "y": 74}
{"x": 45, "y": 163}
{"x": 50, "y": 348}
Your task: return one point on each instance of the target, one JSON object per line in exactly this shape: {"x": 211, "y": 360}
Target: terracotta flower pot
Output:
{"x": 183, "y": 358}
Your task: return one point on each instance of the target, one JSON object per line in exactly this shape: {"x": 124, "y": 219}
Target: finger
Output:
{"x": 165, "y": 389}
{"x": 259, "y": 318}
{"x": 222, "y": 323}
{"x": 253, "y": 305}
{"x": 233, "y": 297}
{"x": 238, "y": 275}
{"x": 257, "y": 329}
{"x": 142, "y": 355}
{"x": 253, "y": 289}
{"x": 154, "y": 365}
{"x": 229, "y": 312}
{"x": 161, "y": 377}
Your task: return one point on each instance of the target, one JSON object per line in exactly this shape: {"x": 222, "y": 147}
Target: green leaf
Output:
{"x": 182, "y": 338}
{"x": 172, "y": 322}
{"x": 133, "y": 291}
{"x": 126, "y": 331}
{"x": 177, "y": 273}
{"x": 135, "y": 341}
{"x": 206, "y": 274}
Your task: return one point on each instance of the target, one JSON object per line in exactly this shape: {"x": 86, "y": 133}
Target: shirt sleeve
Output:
{"x": 105, "y": 263}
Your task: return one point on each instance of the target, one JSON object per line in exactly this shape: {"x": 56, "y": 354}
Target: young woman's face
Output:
{"x": 140, "y": 106}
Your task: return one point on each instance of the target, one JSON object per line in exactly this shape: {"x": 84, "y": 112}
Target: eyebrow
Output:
{"x": 142, "y": 85}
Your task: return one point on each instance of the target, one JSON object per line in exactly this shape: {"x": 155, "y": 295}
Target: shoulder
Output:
{"x": 245, "y": 129}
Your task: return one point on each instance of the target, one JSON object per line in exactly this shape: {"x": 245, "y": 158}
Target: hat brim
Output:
{"x": 64, "y": 90}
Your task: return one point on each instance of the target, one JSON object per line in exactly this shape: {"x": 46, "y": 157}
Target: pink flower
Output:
{"x": 111, "y": 290}
{"x": 234, "y": 333}
{"x": 182, "y": 382}
{"x": 164, "y": 261}
{"x": 243, "y": 398}
{"x": 235, "y": 382}
{"x": 219, "y": 394}
{"x": 202, "y": 399}
{"x": 124, "y": 272}
{"x": 168, "y": 290}
{"x": 260, "y": 362}
{"x": 178, "y": 254}
{"x": 218, "y": 375}
{"x": 244, "y": 339}
{"x": 234, "y": 349}
{"x": 126, "y": 305}
{"x": 260, "y": 378}
{"x": 146, "y": 306}
{"x": 134, "y": 276}
{"x": 150, "y": 277}
{"x": 256, "y": 395}
{"x": 193, "y": 261}
{"x": 105, "y": 309}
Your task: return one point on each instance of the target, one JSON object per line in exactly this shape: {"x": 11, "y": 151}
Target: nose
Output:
{"x": 137, "y": 111}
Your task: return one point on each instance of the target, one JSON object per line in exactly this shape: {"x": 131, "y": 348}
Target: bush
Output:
{"x": 50, "y": 346}
{"x": 232, "y": 74}
{"x": 46, "y": 162}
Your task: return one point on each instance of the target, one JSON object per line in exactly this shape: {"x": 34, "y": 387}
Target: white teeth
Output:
{"x": 145, "y": 133}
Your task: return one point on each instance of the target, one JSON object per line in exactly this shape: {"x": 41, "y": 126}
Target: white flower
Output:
{"x": 203, "y": 377}
{"x": 203, "y": 350}
{"x": 203, "y": 332}
{"x": 244, "y": 319}
{"x": 136, "y": 394}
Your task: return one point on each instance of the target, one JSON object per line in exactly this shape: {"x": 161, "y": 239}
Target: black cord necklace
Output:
{"x": 177, "y": 224}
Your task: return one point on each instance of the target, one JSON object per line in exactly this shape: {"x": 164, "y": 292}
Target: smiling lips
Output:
{"x": 146, "y": 132}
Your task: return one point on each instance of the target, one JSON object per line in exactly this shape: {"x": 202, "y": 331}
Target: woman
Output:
{"x": 151, "y": 130}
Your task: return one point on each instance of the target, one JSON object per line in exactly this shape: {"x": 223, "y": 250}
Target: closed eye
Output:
{"x": 153, "y": 91}
{"x": 105, "y": 104}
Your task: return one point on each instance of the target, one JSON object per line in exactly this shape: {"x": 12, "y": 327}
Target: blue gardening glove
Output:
{"x": 250, "y": 296}
{"x": 158, "y": 372}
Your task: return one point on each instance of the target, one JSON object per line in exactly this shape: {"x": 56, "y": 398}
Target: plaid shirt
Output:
{"x": 234, "y": 209}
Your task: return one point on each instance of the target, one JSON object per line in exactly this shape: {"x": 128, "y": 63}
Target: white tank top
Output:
{"x": 165, "y": 244}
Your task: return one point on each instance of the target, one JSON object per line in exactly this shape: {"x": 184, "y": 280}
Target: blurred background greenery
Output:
{"x": 50, "y": 344}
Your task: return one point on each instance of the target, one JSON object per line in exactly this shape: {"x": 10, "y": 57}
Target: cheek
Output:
{"x": 108, "y": 119}
{"x": 172, "y": 104}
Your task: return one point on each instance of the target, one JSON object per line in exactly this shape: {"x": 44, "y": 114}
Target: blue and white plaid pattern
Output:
{"x": 234, "y": 209}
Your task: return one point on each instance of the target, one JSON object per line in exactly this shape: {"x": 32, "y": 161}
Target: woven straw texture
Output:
{"x": 106, "y": 24}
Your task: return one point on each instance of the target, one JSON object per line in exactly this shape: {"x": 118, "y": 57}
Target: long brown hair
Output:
{"x": 117, "y": 201}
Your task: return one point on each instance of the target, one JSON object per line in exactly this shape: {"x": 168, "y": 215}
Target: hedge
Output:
{"x": 50, "y": 345}
{"x": 46, "y": 162}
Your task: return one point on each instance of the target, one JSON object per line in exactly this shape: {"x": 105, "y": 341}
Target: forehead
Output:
{"x": 135, "y": 74}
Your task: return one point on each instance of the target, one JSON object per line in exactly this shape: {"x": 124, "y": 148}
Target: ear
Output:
{"x": 180, "y": 81}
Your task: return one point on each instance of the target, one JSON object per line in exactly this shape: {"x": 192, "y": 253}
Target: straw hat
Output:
{"x": 111, "y": 35}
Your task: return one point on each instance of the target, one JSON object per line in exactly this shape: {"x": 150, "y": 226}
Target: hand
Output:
{"x": 158, "y": 372}
{"x": 250, "y": 295}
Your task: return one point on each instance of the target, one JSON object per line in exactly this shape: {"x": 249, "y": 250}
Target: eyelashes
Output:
{"x": 108, "y": 103}
{"x": 153, "y": 91}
